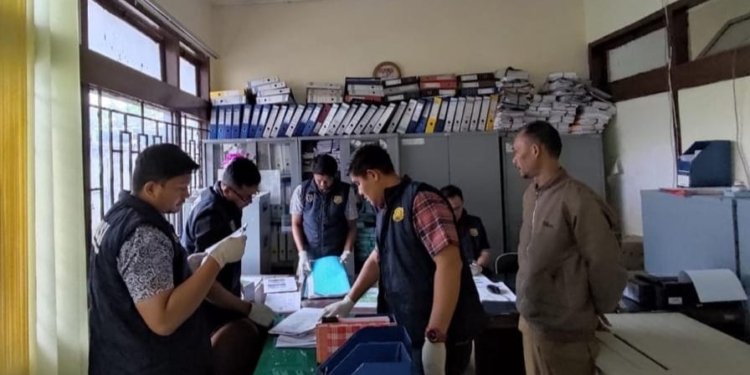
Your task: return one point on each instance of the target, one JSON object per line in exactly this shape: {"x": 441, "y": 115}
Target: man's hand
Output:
{"x": 476, "y": 269}
{"x": 341, "y": 308}
{"x": 345, "y": 256}
{"x": 261, "y": 314}
{"x": 229, "y": 250}
{"x": 433, "y": 358}
{"x": 303, "y": 265}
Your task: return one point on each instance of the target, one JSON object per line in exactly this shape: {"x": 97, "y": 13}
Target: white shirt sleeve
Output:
{"x": 295, "y": 205}
{"x": 351, "y": 206}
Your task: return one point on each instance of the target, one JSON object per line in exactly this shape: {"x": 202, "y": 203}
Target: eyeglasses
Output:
{"x": 248, "y": 199}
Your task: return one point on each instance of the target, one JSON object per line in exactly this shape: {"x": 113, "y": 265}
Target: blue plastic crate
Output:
{"x": 371, "y": 351}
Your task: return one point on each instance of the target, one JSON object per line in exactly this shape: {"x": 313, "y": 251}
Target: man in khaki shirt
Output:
{"x": 569, "y": 260}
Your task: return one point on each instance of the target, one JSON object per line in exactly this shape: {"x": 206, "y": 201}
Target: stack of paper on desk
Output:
{"x": 298, "y": 329}
{"x": 489, "y": 291}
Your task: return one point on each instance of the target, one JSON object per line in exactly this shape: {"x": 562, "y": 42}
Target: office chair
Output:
{"x": 506, "y": 267}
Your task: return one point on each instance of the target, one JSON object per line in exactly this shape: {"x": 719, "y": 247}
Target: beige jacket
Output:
{"x": 569, "y": 260}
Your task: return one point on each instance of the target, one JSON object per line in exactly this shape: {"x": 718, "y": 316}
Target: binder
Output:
{"x": 460, "y": 107}
{"x": 468, "y": 109}
{"x": 275, "y": 109}
{"x": 476, "y": 77}
{"x": 271, "y": 92}
{"x": 400, "y": 81}
{"x": 415, "y": 116}
{"x": 478, "y": 84}
{"x": 352, "y": 124}
{"x": 262, "y": 81}
{"x": 439, "y": 92}
{"x": 385, "y": 118}
{"x": 432, "y": 118}
{"x": 366, "y": 118}
{"x": 264, "y": 115}
{"x": 474, "y": 120}
{"x": 448, "y": 126}
{"x": 396, "y": 119}
{"x": 236, "y": 121}
{"x": 225, "y": 119}
{"x": 401, "y": 89}
{"x": 403, "y": 123}
{"x": 402, "y": 97}
{"x": 346, "y": 120}
{"x": 478, "y": 91}
{"x": 254, "y": 121}
{"x": 340, "y": 113}
{"x": 273, "y": 99}
{"x": 293, "y": 131}
{"x": 440, "y": 125}
{"x": 491, "y": 113}
{"x": 311, "y": 124}
{"x": 273, "y": 127}
{"x": 438, "y": 77}
{"x": 245, "y": 124}
{"x": 268, "y": 86}
{"x": 213, "y": 124}
{"x": 482, "y": 125}
{"x": 296, "y": 115}
{"x": 422, "y": 122}
{"x": 280, "y": 126}
{"x": 323, "y": 113}
{"x": 424, "y": 85}
{"x": 334, "y": 109}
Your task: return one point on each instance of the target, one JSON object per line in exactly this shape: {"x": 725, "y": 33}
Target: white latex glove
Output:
{"x": 433, "y": 358}
{"x": 195, "y": 260}
{"x": 341, "y": 308}
{"x": 345, "y": 256}
{"x": 476, "y": 269}
{"x": 261, "y": 314}
{"x": 303, "y": 265}
{"x": 229, "y": 250}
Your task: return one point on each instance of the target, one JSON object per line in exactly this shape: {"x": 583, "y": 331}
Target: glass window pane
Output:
{"x": 188, "y": 77}
{"x": 640, "y": 55}
{"x": 120, "y": 41}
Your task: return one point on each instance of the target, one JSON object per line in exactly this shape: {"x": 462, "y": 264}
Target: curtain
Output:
{"x": 59, "y": 319}
{"x": 14, "y": 250}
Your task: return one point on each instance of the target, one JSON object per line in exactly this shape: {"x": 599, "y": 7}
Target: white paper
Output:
{"x": 717, "y": 285}
{"x": 279, "y": 284}
{"x": 485, "y": 294}
{"x": 307, "y": 341}
{"x": 283, "y": 302}
{"x": 299, "y": 323}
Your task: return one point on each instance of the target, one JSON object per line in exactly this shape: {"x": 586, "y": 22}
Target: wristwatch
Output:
{"x": 434, "y": 335}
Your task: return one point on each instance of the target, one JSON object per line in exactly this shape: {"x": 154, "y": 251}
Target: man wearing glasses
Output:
{"x": 236, "y": 341}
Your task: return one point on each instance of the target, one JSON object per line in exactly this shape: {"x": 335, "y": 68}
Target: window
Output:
{"x": 119, "y": 128}
{"x": 188, "y": 77}
{"x": 115, "y": 38}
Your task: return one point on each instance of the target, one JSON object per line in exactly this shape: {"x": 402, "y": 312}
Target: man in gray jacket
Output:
{"x": 570, "y": 271}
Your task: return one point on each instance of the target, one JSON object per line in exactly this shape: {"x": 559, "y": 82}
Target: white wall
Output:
{"x": 708, "y": 112}
{"x": 638, "y": 155}
{"x": 327, "y": 40}
{"x": 606, "y": 16}
{"x": 195, "y": 15}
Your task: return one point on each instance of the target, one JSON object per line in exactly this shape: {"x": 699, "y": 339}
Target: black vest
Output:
{"x": 120, "y": 341}
{"x": 324, "y": 218}
{"x": 469, "y": 232}
{"x": 407, "y": 271}
{"x": 227, "y": 218}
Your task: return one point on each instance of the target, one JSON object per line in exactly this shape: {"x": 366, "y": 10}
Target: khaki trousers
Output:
{"x": 546, "y": 357}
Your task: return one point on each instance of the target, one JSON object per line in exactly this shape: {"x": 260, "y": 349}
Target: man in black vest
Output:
{"x": 144, "y": 315}
{"x": 424, "y": 278}
{"x": 474, "y": 243}
{"x": 324, "y": 215}
{"x": 235, "y": 339}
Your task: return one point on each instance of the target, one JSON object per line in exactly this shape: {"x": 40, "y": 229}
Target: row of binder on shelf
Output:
{"x": 427, "y": 115}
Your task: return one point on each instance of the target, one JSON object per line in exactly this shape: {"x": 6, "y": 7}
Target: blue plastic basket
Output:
{"x": 371, "y": 351}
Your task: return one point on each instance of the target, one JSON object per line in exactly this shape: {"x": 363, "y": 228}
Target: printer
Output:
{"x": 645, "y": 292}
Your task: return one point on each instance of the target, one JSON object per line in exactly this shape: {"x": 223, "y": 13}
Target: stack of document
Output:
{"x": 327, "y": 280}
{"x": 515, "y": 91}
{"x": 493, "y": 291}
{"x": 298, "y": 329}
{"x": 270, "y": 90}
{"x": 281, "y": 294}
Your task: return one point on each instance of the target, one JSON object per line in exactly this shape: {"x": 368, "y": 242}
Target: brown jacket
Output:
{"x": 569, "y": 260}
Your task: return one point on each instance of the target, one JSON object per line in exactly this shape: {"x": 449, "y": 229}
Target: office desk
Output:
{"x": 498, "y": 349}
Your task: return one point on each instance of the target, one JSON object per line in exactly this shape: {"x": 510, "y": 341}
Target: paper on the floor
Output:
{"x": 299, "y": 323}
{"x": 283, "y": 302}
{"x": 279, "y": 284}
{"x": 307, "y": 341}
{"x": 489, "y": 291}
